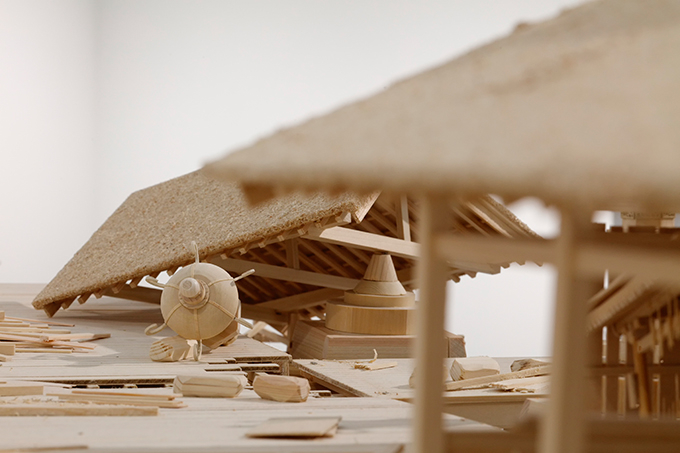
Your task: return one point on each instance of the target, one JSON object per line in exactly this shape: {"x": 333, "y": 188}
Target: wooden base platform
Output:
{"x": 206, "y": 424}
{"x": 313, "y": 340}
{"x": 488, "y": 406}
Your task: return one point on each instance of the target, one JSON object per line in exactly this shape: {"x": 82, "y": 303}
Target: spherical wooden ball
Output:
{"x": 199, "y": 301}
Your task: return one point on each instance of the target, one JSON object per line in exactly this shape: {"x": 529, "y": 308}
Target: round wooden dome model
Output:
{"x": 199, "y": 301}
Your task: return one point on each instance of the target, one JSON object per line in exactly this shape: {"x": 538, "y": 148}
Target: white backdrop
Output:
{"x": 102, "y": 98}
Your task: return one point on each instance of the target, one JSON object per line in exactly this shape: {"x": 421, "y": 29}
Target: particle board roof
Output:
{"x": 152, "y": 230}
{"x": 582, "y": 108}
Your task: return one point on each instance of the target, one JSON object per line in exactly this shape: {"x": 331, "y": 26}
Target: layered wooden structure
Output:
{"x": 580, "y": 111}
{"x": 305, "y": 248}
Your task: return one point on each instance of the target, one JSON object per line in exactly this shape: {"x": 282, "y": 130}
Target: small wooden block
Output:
{"x": 73, "y": 409}
{"x": 21, "y": 388}
{"x": 7, "y": 348}
{"x": 375, "y": 366}
{"x": 523, "y": 364}
{"x": 296, "y": 427}
{"x": 473, "y": 367}
{"x": 288, "y": 389}
{"x": 228, "y": 386}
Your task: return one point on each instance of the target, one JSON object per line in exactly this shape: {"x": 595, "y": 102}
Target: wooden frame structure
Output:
{"x": 578, "y": 110}
{"x": 306, "y": 250}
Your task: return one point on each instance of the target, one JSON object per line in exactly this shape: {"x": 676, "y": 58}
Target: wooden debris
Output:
{"x": 523, "y": 364}
{"x": 281, "y": 388}
{"x": 374, "y": 365}
{"x": 19, "y": 388}
{"x": 486, "y": 380}
{"x": 52, "y": 408}
{"x": 172, "y": 349}
{"x": 228, "y": 386}
{"x": 296, "y": 427}
{"x": 7, "y": 348}
{"x": 120, "y": 398}
{"x": 473, "y": 367}
{"x": 445, "y": 377}
{"x": 5, "y": 358}
{"x": 535, "y": 384}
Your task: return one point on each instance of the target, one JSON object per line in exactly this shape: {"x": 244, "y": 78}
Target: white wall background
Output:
{"x": 102, "y": 98}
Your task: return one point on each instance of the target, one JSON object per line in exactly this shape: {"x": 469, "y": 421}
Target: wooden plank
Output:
{"x": 403, "y": 221}
{"x": 485, "y": 380}
{"x": 479, "y": 249}
{"x": 365, "y": 241}
{"x": 305, "y": 427}
{"x": 287, "y": 274}
{"x": 138, "y": 293}
{"x": 74, "y": 409}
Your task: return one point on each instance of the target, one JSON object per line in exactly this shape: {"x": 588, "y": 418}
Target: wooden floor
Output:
{"x": 206, "y": 424}
{"x": 490, "y": 406}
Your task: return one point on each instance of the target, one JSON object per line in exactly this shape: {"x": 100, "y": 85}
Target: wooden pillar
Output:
{"x": 432, "y": 275}
{"x": 563, "y": 427}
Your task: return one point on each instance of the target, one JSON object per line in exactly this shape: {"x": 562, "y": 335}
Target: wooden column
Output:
{"x": 432, "y": 275}
{"x": 563, "y": 427}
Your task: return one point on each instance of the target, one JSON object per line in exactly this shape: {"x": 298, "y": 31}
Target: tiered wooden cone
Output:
{"x": 378, "y": 305}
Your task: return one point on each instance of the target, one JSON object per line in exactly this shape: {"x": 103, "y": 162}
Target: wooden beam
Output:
{"x": 365, "y": 241}
{"x": 287, "y": 274}
{"x": 300, "y": 301}
{"x": 254, "y": 311}
{"x": 139, "y": 294}
{"x": 292, "y": 258}
{"x": 403, "y": 222}
{"x": 482, "y": 249}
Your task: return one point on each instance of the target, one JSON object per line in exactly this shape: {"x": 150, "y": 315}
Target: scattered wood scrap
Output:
{"x": 523, "y": 364}
{"x": 296, "y": 427}
{"x": 228, "y": 386}
{"x": 445, "y": 377}
{"x": 21, "y": 388}
{"x": 54, "y": 408}
{"x": 287, "y": 389}
{"x": 535, "y": 384}
{"x": 120, "y": 398}
{"x": 35, "y": 336}
{"x": 486, "y": 380}
{"x": 172, "y": 349}
{"x": 374, "y": 365}
{"x": 473, "y": 367}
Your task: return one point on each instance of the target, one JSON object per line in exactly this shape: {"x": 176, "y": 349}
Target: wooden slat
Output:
{"x": 402, "y": 217}
{"x": 303, "y": 300}
{"x": 365, "y": 241}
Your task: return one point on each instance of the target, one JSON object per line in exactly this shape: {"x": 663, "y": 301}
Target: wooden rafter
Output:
{"x": 365, "y": 241}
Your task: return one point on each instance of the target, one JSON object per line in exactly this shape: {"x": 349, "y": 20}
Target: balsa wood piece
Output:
{"x": 523, "y": 364}
{"x": 371, "y": 320}
{"x": 304, "y": 427}
{"x": 21, "y": 388}
{"x": 172, "y": 349}
{"x": 7, "y": 348}
{"x": 118, "y": 399}
{"x": 287, "y": 389}
{"x": 224, "y": 338}
{"x": 473, "y": 367}
{"x": 535, "y": 384}
{"x": 59, "y": 408}
{"x": 229, "y": 386}
{"x": 375, "y": 366}
{"x": 5, "y": 358}
{"x": 445, "y": 376}
{"x": 485, "y": 380}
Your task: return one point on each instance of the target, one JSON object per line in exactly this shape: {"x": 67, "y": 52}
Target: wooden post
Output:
{"x": 433, "y": 275}
{"x": 563, "y": 427}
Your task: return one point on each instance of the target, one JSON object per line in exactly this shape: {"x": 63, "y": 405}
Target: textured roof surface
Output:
{"x": 582, "y": 108}
{"x": 153, "y": 229}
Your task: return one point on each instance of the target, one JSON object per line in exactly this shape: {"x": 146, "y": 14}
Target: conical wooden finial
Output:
{"x": 381, "y": 269}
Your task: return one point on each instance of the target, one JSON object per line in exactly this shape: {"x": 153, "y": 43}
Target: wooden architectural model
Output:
{"x": 580, "y": 111}
{"x": 305, "y": 249}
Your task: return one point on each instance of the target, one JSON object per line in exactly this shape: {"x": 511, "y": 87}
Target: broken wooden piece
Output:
{"x": 445, "y": 377}
{"x": 523, "y": 364}
{"x": 60, "y": 408}
{"x": 228, "y": 386}
{"x": 485, "y": 380}
{"x": 372, "y": 366}
{"x": 126, "y": 399}
{"x": 172, "y": 349}
{"x": 296, "y": 427}
{"x": 287, "y": 389}
{"x": 20, "y": 388}
{"x": 535, "y": 384}
{"x": 473, "y": 367}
